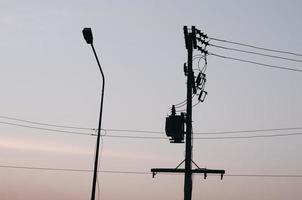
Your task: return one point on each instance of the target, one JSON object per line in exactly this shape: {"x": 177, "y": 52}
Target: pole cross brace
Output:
{"x": 204, "y": 171}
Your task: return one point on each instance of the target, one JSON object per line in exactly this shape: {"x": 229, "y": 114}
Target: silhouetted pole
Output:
{"x": 174, "y": 123}
{"x": 188, "y": 158}
{"x": 89, "y": 39}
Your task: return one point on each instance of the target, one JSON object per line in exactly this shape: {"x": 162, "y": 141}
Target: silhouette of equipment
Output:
{"x": 179, "y": 125}
{"x": 175, "y": 127}
{"x": 203, "y": 171}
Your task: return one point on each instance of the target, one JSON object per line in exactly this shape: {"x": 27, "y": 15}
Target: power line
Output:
{"x": 45, "y": 129}
{"x": 142, "y": 172}
{"x": 248, "y": 137}
{"x": 266, "y": 175}
{"x": 64, "y": 126}
{"x": 46, "y": 124}
{"x": 147, "y": 131}
{"x": 250, "y": 131}
{"x": 164, "y": 138}
{"x": 255, "y": 53}
{"x": 161, "y": 138}
{"x": 183, "y": 110}
{"x": 209, "y": 138}
{"x": 182, "y": 103}
{"x": 133, "y": 131}
{"x": 45, "y": 168}
{"x": 256, "y": 63}
{"x": 135, "y": 137}
{"x": 256, "y": 47}
{"x": 69, "y": 169}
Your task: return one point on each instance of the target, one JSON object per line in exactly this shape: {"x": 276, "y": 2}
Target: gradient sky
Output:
{"x": 48, "y": 74}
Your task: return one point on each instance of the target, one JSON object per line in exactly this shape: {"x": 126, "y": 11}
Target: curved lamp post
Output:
{"x": 87, "y": 33}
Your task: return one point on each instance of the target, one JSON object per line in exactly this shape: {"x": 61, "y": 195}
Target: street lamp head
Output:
{"x": 87, "y": 33}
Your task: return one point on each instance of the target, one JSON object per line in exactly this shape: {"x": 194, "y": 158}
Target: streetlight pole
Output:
{"x": 87, "y": 33}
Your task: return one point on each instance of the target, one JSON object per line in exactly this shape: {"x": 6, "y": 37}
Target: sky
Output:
{"x": 49, "y": 75}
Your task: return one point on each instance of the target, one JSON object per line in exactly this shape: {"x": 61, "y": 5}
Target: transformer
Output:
{"x": 175, "y": 127}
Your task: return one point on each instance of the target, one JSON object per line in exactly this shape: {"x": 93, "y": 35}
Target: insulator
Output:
{"x": 186, "y": 37}
{"x": 185, "y": 69}
{"x": 201, "y": 79}
{"x": 194, "y": 37}
{"x": 173, "y": 110}
{"x": 202, "y": 96}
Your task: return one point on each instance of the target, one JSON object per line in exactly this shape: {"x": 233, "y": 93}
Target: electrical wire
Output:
{"x": 250, "y": 131}
{"x": 266, "y": 175}
{"x": 204, "y": 69}
{"x": 144, "y": 173}
{"x": 180, "y": 103}
{"x": 46, "y": 129}
{"x": 256, "y": 47}
{"x": 183, "y": 103}
{"x": 69, "y": 169}
{"x": 255, "y": 53}
{"x": 196, "y": 104}
{"x": 197, "y": 56}
{"x": 45, "y": 124}
{"x": 198, "y": 63}
{"x": 161, "y": 132}
{"x": 248, "y": 137}
{"x": 135, "y": 137}
{"x": 134, "y": 131}
{"x": 256, "y": 63}
{"x": 183, "y": 110}
{"x": 209, "y": 138}
{"x": 214, "y": 132}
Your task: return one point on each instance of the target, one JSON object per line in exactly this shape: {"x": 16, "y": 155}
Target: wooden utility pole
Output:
{"x": 191, "y": 44}
{"x": 190, "y": 82}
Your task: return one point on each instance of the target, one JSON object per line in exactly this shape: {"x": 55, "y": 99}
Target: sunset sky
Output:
{"x": 49, "y": 75}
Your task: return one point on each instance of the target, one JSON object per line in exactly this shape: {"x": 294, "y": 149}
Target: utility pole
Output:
{"x": 190, "y": 80}
{"x": 175, "y": 123}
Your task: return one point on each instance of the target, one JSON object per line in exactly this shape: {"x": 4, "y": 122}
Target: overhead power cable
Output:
{"x": 250, "y": 131}
{"x": 248, "y": 137}
{"x": 255, "y": 47}
{"x": 46, "y": 129}
{"x": 183, "y": 103}
{"x": 266, "y": 175}
{"x": 161, "y": 138}
{"x": 133, "y": 131}
{"x": 143, "y": 173}
{"x": 183, "y": 110}
{"x": 210, "y": 133}
{"x": 164, "y": 138}
{"x": 209, "y": 138}
{"x": 157, "y": 132}
{"x": 160, "y": 132}
{"x": 69, "y": 169}
{"x": 255, "y": 53}
{"x": 256, "y": 63}
{"x": 45, "y": 124}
